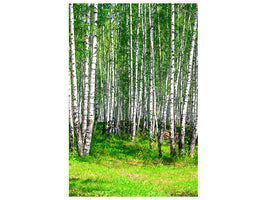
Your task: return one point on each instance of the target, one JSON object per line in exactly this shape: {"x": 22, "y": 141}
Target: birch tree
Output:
{"x": 136, "y": 75}
{"x": 172, "y": 143}
{"x": 194, "y": 126}
{"x": 86, "y": 74}
{"x": 112, "y": 76}
{"x": 71, "y": 131}
{"x": 145, "y": 72}
{"x": 182, "y": 134}
{"x": 92, "y": 86}
{"x": 75, "y": 105}
{"x": 151, "y": 131}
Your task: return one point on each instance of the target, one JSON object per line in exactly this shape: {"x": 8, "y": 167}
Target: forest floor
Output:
{"x": 118, "y": 167}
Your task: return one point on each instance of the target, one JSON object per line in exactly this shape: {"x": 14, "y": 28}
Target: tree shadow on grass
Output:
{"x": 87, "y": 187}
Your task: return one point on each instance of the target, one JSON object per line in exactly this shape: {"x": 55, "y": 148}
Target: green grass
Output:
{"x": 117, "y": 167}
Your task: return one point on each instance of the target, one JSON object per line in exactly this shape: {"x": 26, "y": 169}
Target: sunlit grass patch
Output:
{"x": 117, "y": 167}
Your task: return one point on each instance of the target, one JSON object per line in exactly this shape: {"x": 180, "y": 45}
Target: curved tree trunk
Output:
{"x": 182, "y": 134}
{"x": 75, "y": 105}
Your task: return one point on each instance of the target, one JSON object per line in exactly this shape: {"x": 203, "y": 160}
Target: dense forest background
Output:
{"x": 134, "y": 69}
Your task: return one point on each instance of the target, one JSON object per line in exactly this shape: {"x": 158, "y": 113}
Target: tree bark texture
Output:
{"x": 92, "y": 87}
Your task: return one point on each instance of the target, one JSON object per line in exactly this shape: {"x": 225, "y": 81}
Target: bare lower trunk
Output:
{"x": 164, "y": 119}
{"x": 194, "y": 134}
{"x": 71, "y": 131}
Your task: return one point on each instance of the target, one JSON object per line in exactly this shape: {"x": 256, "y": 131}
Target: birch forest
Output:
{"x": 133, "y": 93}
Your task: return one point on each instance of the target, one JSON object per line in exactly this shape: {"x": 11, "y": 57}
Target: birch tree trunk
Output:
{"x": 71, "y": 131}
{"x": 105, "y": 124}
{"x": 112, "y": 77}
{"x": 131, "y": 69}
{"x": 151, "y": 79}
{"x": 182, "y": 134}
{"x": 92, "y": 87}
{"x": 139, "y": 113}
{"x": 194, "y": 134}
{"x": 164, "y": 118}
{"x": 136, "y": 75}
{"x": 75, "y": 105}
{"x": 145, "y": 72}
{"x": 86, "y": 84}
{"x": 172, "y": 142}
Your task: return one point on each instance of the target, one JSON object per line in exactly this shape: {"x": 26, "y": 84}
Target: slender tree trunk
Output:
{"x": 182, "y": 135}
{"x": 172, "y": 142}
{"x": 92, "y": 87}
{"x": 145, "y": 72}
{"x": 136, "y": 75}
{"x": 129, "y": 76}
{"x": 176, "y": 101}
{"x": 139, "y": 113}
{"x": 86, "y": 84}
{"x": 160, "y": 67}
{"x": 151, "y": 78}
{"x": 74, "y": 87}
{"x": 71, "y": 131}
{"x": 194, "y": 132}
{"x": 132, "y": 85}
{"x": 112, "y": 77}
{"x": 164, "y": 118}
{"x": 105, "y": 88}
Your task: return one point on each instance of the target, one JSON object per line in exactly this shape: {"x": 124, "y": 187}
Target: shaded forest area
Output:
{"x": 134, "y": 73}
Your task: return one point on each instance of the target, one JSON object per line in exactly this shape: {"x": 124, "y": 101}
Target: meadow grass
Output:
{"x": 118, "y": 167}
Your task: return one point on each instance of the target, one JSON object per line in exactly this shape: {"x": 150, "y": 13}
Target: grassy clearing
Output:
{"x": 118, "y": 167}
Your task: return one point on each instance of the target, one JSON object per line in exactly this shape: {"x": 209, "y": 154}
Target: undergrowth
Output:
{"x": 118, "y": 167}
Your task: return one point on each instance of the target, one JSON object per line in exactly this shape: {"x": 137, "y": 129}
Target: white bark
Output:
{"x": 86, "y": 81}
{"x": 129, "y": 78}
{"x": 145, "y": 72}
{"x": 75, "y": 105}
{"x": 172, "y": 142}
{"x": 139, "y": 113}
{"x": 151, "y": 132}
{"x": 136, "y": 75}
{"x": 112, "y": 77}
{"x": 194, "y": 127}
{"x": 92, "y": 87}
{"x": 131, "y": 68}
{"x": 105, "y": 123}
{"x": 70, "y": 118}
{"x": 164, "y": 117}
{"x": 182, "y": 134}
